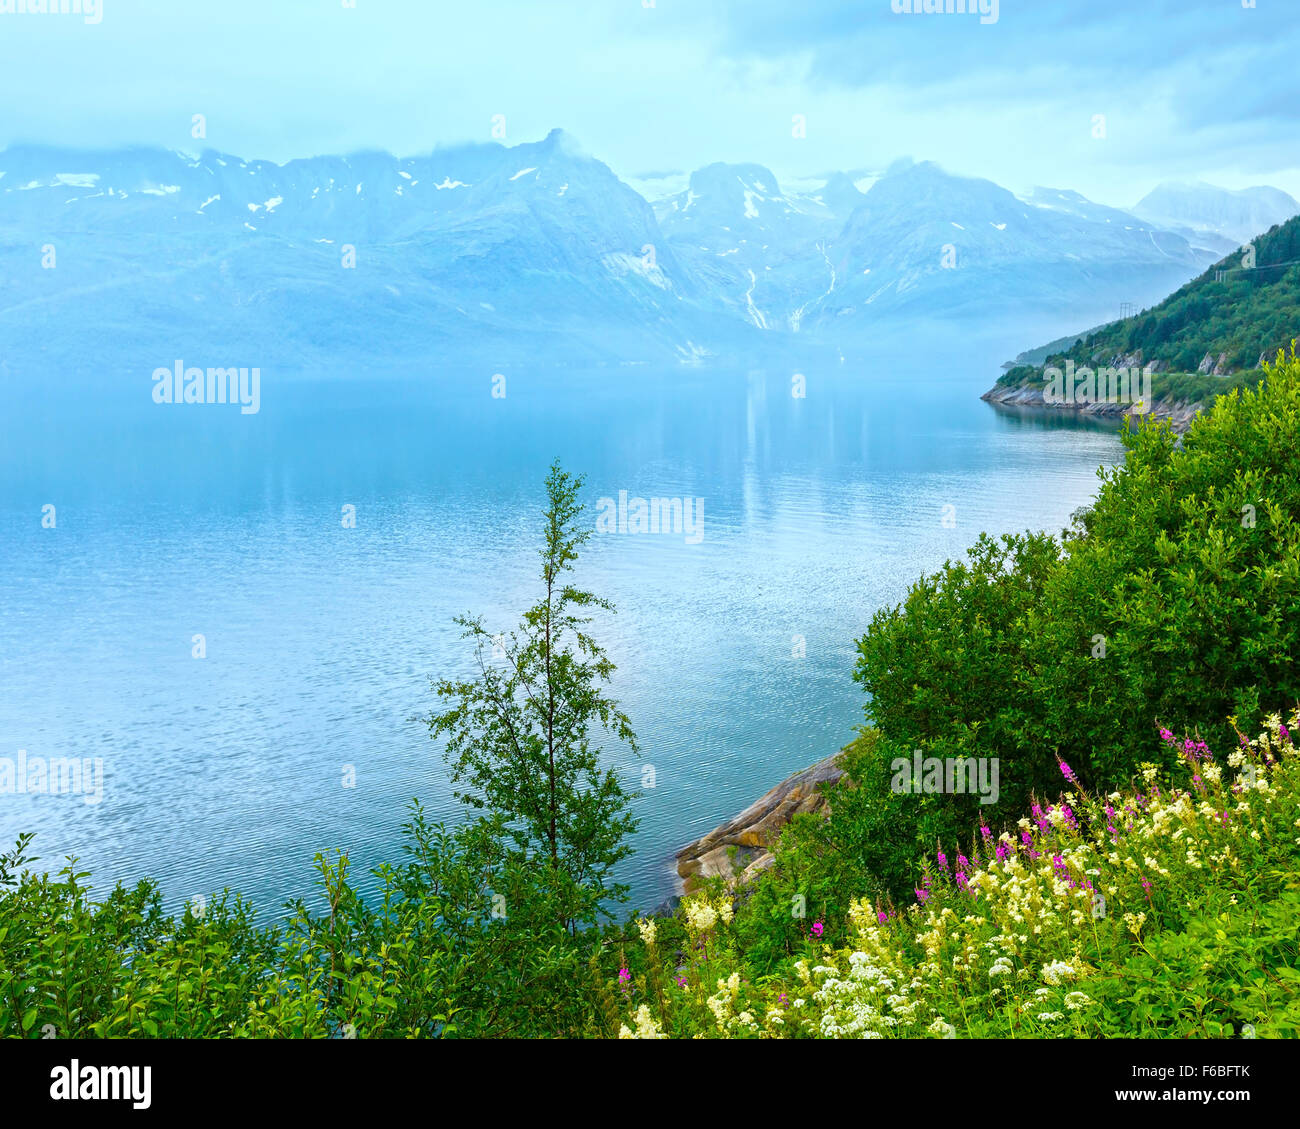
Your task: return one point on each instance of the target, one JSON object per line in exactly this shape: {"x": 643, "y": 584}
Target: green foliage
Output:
{"x": 1214, "y": 976}
{"x": 520, "y": 734}
{"x": 1248, "y": 314}
{"x": 933, "y": 665}
{"x": 1198, "y": 387}
{"x": 868, "y": 844}
{"x": 1169, "y": 910}
{"x": 1177, "y": 595}
{"x": 1019, "y": 375}
{"x": 461, "y": 940}
{"x": 1191, "y": 571}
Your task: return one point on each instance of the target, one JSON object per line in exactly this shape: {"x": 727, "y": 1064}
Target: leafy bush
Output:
{"x": 1176, "y": 595}
{"x": 429, "y": 958}
{"x": 948, "y": 666}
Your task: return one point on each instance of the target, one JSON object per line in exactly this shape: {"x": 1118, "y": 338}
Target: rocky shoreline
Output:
{"x": 1179, "y": 415}
{"x": 753, "y": 831}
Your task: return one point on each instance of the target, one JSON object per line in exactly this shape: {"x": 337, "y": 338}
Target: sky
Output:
{"x": 1107, "y": 97}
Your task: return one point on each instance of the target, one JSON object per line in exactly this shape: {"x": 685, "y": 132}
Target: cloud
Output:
{"x": 1188, "y": 87}
{"x": 1232, "y": 63}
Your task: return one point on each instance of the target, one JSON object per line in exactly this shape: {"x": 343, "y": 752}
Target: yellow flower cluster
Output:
{"x": 703, "y": 914}
{"x": 646, "y": 1026}
{"x": 647, "y": 930}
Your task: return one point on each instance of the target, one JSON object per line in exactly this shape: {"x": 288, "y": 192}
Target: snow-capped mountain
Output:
{"x": 754, "y": 243}
{"x": 488, "y": 254}
{"x": 832, "y": 261}
{"x": 1219, "y": 217}
{"x": 486, "y": 249}
{"x": 929, "y": 243}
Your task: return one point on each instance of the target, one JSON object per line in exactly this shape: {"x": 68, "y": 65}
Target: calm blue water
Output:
{"x": 174, "y": 521}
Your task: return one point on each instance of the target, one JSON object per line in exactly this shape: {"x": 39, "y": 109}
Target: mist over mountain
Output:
{"x": 495, "y": 255}
{"x": 475, "y": 251}
{"x": 925, "y": 241}
{"x": 1218, "y": 217}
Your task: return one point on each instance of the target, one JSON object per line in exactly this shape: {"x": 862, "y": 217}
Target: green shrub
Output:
{"x": 1177, "y": 596}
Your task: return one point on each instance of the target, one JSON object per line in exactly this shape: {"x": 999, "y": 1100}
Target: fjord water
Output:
{"x": 734, "y": 655}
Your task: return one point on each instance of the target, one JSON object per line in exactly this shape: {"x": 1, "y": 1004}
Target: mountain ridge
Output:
{"x": 500, "y": 253}
{"x": 1210, "y": 336}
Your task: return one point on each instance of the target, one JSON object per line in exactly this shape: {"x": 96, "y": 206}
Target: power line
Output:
{"x": 1220, "y": 273}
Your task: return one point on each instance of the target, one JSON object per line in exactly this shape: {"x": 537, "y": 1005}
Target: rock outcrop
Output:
{"x": 1180, "y": 415}
{"x": 756, "y": 828}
